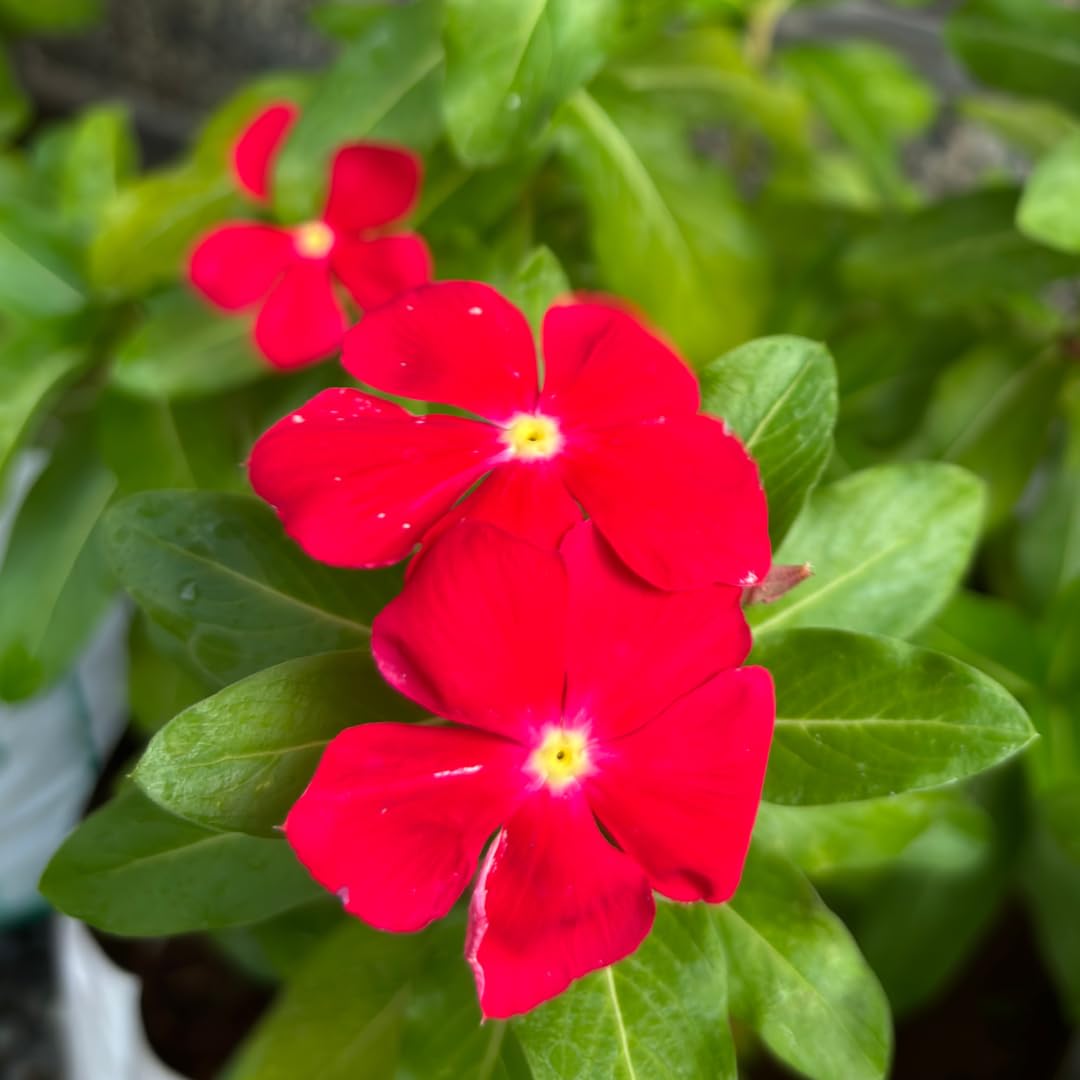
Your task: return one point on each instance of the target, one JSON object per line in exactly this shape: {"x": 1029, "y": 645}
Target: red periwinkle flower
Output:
{"x": 292, "y": 273}
{"x": 358, "y": 481}
{"x": 577, "y": 694}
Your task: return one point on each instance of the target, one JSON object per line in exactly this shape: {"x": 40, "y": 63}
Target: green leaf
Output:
{"x": 918, "y": 922}
{"x": 217, "y": 573}
{"x": 1034, "y": 127}
{"x": 158, "y": 688}
{"x": 667, "y": 229}
{"x": 132, "y": 869}
{"x": 43, "y": 16}
{"x": 798, "y": 979}
{"x": 39, "y": 264}
{"x": 662, "y": 1012}
{"x": 240, "y": 759}
{"x": 858, "y": 717}
{"x": 778, "y": 394}
{"x": 148, "y": 229}
{"x": 1049, "y": 209}
{"x": 14, "y": 106}
{"x": 371, "y": 1006}
{"x": 182, "y": 348}
{"x": 871, "y": 99}
{"x": 384, "y": 85}
{"x": 1028, "y": 47}
{"x": 888, "y": 546}
{"x": 992, "y": 635}
{"x": 956, "y": 252}
{"x": 510, "y": 64}
{"x": 851, "y": 836}
{"x": 539, "y": 281}
{"x": 54, "y": 584}
{"x": 33, "y": 369}
{"x": 99, "y": 155}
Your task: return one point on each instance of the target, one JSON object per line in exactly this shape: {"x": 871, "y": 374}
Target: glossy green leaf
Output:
{"x": 240, "y": 759}
{"x": 858, "y": 717}
{"x": 39, "y": 264}
{"x": 1028, "y": 47}
{"x": 218, "y": 573}
{"x": 158, "y": 687}
{"x": 132, "y": 869}
{"x": 371, "y": 1006}
{"x": 887, "y": 545}
{"x": 54, "y": 583}
{"x": 666, "y": 228}
{"x": 384, "y": 85}
{"x": 959, "y": 251}
{"x": 1049, "y": 210}
{"x": 538, "y": 282}
{"x": 662, "y": 1012}
{"x": 148, "y": 229}
{"x": 778, "y": 394}
{"x": 798, "y": 979}
{"x": 851, "y": 836}
{"x": 510, "y": 64}
{"x": 33, "y": 369}
{"x": 183, "y": 348}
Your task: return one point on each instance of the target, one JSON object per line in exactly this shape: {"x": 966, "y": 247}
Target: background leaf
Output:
{"x": 859, "y": 717}
{"x": 132, "y": 869}
{"x": 778, "y": 394}
{"x": 1049, "y": 209}
{"x": 888, "y": 546}
{"x": 509, "y": 64}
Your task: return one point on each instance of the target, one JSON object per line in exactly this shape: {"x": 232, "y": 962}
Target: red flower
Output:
{"x": 358, "y": 481}
{"x": 584, "y": 695}
{"x": 291, "y": 272}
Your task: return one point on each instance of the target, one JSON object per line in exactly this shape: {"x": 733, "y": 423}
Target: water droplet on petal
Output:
{"x": 476, "y": 311}
{"x": 297, "y": 418}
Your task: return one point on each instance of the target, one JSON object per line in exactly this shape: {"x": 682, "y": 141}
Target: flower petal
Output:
{"x": 671, "y": 642}
{"x": 455, "y": 342}
{"x": 302, "y": 320}
{"x": 371, "y": 185}
{"x": 680, "y": 794}
{"x": 375, "y": 271}
{"x": 255, "y": 150}
{"x": 528, "y": 500}
{"x": 478, "y": 635}
{"x": 236, "y": 265}
{"x": 357, "y": 480}
{"x": 603, "y": 366}
{"x": 397, "y": 815}
{"x": 554, "y": 901}
{"x": 680, "y": 502}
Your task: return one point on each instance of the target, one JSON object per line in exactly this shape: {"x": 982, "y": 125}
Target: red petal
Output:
{"x": 527, "y": 500}
{"x": 680, "y": 502}
{"x": 554, "y": 901}
{"x": 375, "y": 271}
{"x": 236, "y": 265}
{"x": 680, "y": 795}
{"x": 357, "y": 481}
{"x": 302, "y": 320}
{"x": 396, "y": 816}
{"x": 456, "y": 342}
{"x": 478, "y": 635}
{"x": 603, "y": 366}
{"x": 633, "y": 649}
{"x": 371, "y": 185}
{"x": 255, "y": 150}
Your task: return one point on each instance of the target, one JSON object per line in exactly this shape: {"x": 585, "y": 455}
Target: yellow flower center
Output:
{"x": 313, "y": 240}
{"x": 561, "y": 758}
{"x": 532, "y": 437}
